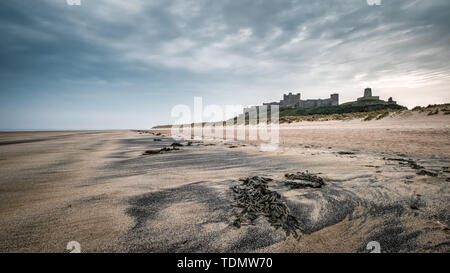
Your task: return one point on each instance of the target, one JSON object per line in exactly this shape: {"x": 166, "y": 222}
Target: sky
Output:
{"x": 112, "y": 64}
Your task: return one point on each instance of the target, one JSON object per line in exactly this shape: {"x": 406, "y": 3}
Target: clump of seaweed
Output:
{"x": 425, "y": 172}
{"x": 345, "y": 153}
{"x": 159, "y": 151}
{"x": 255, "y": 199}
{"x": 307, "y": 180}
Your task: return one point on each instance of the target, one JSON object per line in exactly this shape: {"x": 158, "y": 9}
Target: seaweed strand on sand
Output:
{"x": 255, "y": 199}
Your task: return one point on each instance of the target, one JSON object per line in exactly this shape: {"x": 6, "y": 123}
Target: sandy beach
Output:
{"x": 97, "y": 188}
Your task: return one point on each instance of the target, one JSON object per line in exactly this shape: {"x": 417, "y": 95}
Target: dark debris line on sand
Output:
{"x": 176, "y": 144}
{"x": 425, "y": 172}
{"x": 307, "y": 180}
{"x": 158, "y": 151}
{"x": 346, "y": 153}
{"x": 413, "y": 165}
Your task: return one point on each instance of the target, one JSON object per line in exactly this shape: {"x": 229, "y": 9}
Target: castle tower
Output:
{"x": 368, "y": 96}
{"x": 334, "y": 99}
{"x": 367, "y": 92}
{"x": 290, "y": 100}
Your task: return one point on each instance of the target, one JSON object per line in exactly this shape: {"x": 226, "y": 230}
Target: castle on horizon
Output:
{"x": 294, "y": 101}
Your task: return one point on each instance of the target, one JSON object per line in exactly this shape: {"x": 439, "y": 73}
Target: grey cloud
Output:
{"x": 247, "y": 42}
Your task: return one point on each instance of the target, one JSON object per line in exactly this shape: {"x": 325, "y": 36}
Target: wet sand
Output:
{"x": 96, "y": 187}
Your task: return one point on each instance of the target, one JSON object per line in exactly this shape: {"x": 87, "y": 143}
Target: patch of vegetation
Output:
{"x": 437, "y": 105}
{"x": 341, "y": 109}
{"x": 370, "y": 116}
{"x": 346, "y": 116}
{"x": 433, "y": 107}
{"x": 383, "y": 115}
{"x": 435, "y": 112}
{"x": 346, "y": 111}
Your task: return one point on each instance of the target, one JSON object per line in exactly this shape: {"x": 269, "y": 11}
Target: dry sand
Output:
{"x": 407, "y": 132}
{"x": 96, "y": 187}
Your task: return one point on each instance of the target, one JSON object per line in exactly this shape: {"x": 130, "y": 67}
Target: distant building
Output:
{"x": 294, "y": 101}
{"x": 307, "y": 104}
{"x": 290, "y": 100}
{"x": 368, "y": 99}
{"x": 368, "y": 95}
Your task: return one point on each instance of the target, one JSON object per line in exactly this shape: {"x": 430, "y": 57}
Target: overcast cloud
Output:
{"x": 125, "y": 64}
